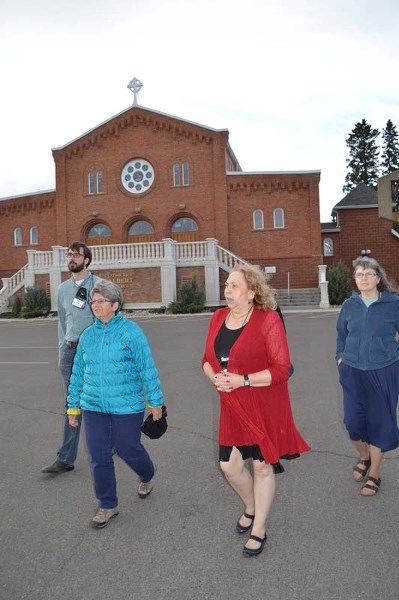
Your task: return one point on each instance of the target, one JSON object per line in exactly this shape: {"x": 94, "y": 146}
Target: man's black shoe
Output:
{"x": 58, "y": 467}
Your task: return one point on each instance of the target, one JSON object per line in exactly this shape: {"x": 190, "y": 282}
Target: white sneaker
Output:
{"x": 145, "y": 489}
{"x": 103, "y": 517}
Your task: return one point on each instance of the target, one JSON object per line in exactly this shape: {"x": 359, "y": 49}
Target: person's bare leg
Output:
{"x": 240, "y": 479}
{"x": 376, "y": 459}
{"x": 264, "y": 491}
{"x": 364, "y": 454}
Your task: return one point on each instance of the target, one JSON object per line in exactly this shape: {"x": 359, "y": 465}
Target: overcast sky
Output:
{"x": 289, "y": 79}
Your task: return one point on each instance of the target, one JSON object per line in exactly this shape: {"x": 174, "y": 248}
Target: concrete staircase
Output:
{"x": 304, "y": 297}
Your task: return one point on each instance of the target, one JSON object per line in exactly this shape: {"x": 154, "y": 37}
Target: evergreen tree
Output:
{"x": 363, "y": 152}
{"x": 339, "y": 283}
{"x": 390, "y": 149}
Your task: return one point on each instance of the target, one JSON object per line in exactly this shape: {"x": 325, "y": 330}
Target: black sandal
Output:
{"x": 363, "y": 471}
{"x": 374, "y": 486}
{"x": 240, "y": 528}
{"x": 255, "y": 551}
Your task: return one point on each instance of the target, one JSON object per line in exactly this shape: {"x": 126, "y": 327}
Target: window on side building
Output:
{"x": 18, "y": 236}
{"x": 33, "y": 235}
{"x": 257, "y": 219}
{"x": 278, "y": 218}
{"x": 328, "y": 247}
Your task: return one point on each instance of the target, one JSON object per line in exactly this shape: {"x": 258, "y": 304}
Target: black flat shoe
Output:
{"x": 58, "y": 467}
{"x": 255, "y": 551}
{"x": 240, "y": 528}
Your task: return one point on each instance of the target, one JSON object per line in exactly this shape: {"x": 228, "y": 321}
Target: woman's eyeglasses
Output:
{"x": 101, "y": 301}
{"x": 365, "y": 275}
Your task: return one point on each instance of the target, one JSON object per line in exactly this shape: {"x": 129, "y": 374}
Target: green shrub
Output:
{"x": 339, "y": 283}
{"x": 191, "y": 299}
{"x": 174, "y": 308}
{"x": 16, "y": 307}
{"x": 36, "y": 303}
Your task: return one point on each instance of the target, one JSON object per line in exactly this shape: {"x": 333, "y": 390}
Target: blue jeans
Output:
{"x": 105, "y": 432}
{"x": 69, "y": 447}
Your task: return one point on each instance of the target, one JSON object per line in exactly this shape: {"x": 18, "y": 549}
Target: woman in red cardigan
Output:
{"x": 247, "y": 359}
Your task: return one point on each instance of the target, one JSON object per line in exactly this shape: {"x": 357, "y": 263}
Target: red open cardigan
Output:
{"x": 257, "y": 415}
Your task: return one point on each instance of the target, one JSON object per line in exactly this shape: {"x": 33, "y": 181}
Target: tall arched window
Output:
{"x": 33, "y": 235}
{"x": 94, "y": 182}
{"x": 278, "y": 218}
{"x": 181, "y": 174}
{"x": 328, "y": 247}
{"x": 17, "y": 236}
{"x": 257, "y": 219}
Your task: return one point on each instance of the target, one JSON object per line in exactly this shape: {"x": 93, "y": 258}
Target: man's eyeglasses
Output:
{"x": 365, "y": 275}
{"x": 100, "y": 301}
{"x": 73, "y": 255}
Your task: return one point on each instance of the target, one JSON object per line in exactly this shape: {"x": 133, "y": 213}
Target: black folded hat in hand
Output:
{"x": 155, "y": 429}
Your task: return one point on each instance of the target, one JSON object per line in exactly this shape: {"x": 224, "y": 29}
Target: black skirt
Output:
{"x": 254, "y": 453}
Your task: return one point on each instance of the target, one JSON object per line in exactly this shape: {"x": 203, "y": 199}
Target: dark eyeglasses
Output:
{"x": 73, "y": 255}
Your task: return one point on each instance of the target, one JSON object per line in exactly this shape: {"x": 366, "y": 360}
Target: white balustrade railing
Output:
{"x": 228, "y": 259}
{"x": 128, "y": 253}
{"x": 123, "y": 256}
{"x": 191, "y": 251}
{"x": 10, "y": 286}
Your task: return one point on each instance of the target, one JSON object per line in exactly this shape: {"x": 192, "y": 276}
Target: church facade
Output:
{"x": 143, "y": 176}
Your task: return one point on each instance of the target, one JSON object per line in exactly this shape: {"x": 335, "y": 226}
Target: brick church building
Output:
{"x": 143, "y": 177}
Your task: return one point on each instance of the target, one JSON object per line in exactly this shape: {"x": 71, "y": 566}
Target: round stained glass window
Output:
{"x": 137, "y": 176}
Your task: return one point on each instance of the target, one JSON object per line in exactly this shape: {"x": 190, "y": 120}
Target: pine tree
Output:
{"x": 390, "y": 149}
{"x": 363, "y": 152}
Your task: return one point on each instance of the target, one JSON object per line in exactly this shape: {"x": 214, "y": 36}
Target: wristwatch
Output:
{"x": 246, "y": 380}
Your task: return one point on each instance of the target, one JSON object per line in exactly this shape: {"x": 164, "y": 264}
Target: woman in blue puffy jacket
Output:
{"x": 114, "y": 377}
{"x": 368, "y": 363}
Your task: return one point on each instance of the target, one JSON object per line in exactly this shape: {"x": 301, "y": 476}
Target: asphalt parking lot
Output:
{"x": 326, "y": 542}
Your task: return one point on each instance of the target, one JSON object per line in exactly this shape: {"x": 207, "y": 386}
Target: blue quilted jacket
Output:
{"x": 113, "y": 369}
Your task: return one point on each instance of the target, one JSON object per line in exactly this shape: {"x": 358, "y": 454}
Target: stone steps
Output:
{"x": 299, "y": 297}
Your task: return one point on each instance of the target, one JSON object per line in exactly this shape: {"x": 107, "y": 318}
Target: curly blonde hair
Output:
{"x": 256, "y": 281}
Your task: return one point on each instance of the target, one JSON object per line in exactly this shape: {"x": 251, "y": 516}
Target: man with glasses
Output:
{"x": 74, "y": 315}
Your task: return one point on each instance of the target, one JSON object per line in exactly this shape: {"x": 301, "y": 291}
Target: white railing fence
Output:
{"x": 167, "y": 254}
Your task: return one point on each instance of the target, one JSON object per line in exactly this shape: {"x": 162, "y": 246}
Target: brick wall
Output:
{"x": 362, "y": 229}
{"x": 25, "y": 212}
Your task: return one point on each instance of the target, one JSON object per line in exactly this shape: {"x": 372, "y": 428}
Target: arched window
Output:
{"x": 257, "y": 219}
{"x": 278, "y": 218}
{"x": 33, "y": 235}
{"x": 328, "y": 247}
{"x": 99, "y": 230}
{"x": 141, "y": 228}
{"x": 17, "y": 236}
{"x": 184, "y": 224}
